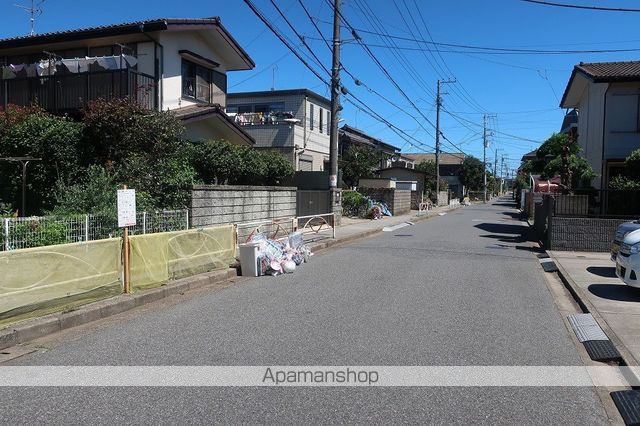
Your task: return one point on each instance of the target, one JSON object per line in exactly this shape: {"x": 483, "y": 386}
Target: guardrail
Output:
{"x": 281, "y": 227}
{"x": 318, "y": 223}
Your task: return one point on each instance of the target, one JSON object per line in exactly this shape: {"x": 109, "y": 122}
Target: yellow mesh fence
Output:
{"x": 39, "y": 280}
{"x": 157, "y": 258}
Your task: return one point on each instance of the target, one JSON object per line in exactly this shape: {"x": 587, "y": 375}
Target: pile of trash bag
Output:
{"x": 376, "y": 209}
{"x": 277, "y": 257}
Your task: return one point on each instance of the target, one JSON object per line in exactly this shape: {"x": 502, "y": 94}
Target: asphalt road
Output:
{"x": 461, "y": 289}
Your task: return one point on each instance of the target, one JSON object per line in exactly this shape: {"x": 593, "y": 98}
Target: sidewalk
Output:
{"x": 613, "y": 304}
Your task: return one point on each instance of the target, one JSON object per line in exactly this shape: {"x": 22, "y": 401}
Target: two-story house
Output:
{"x": 389, "y": 155}
{"x": 606, "y": 96}
{"x": 450, "y": 166}
{"x": 164, "y": 64}
{"x": 295, "y": 122}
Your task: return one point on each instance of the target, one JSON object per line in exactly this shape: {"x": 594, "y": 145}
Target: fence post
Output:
{"x": 333, "y": 225}
{"x": 5, "y": 228}
{"x": 549, "y": 213}
{"x": 187, "y": 218}
{"x": 144, "y": 222}
{"x": 86, "y": 227}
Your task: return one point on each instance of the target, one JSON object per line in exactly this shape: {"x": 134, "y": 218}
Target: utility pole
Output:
{"x": 335, "y": 98}
{"x": 438, "y": 105}
{"x": 501, "y": 172}
{"x": 484, "y": 153}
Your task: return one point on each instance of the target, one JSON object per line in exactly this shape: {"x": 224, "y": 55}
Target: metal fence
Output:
{"x": 598, "y": 203}
{"x": 26, "y": 232}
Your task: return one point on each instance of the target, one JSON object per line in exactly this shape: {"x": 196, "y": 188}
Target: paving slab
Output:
{"x": 615, "y": 303}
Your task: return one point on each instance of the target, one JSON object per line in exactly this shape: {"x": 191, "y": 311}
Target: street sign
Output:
{"x": 126, "y": 207}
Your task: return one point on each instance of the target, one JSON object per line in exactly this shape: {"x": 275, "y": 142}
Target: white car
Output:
{"x": 628, "y": 259}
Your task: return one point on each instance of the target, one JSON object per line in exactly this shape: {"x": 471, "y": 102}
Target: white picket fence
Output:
{"x": 37, "y": 231}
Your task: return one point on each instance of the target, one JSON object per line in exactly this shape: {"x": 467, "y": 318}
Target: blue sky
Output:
{"x": 521, "y": 91}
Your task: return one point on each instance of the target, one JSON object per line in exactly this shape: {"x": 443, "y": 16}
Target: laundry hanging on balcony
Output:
{"x": 45, "y": 67}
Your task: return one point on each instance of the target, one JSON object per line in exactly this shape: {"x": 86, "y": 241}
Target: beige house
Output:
{"x": 606, "y": 96}
{"x": 164, "y": 64}
{"x": 294, "y": 122}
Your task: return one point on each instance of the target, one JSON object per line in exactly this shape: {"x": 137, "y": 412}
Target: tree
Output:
{"x": 564, "y": 160}
{"x": 630, "y": 179}
{"x": 471, "y": 174}
{"x": 429, "y": 168}
{"x": 359, "y": 161}
{"x": 56, "y": 140}
{"x": 143, "y": 148}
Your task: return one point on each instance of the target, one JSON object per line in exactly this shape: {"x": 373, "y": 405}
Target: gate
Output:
{"x": 312, "y": 202}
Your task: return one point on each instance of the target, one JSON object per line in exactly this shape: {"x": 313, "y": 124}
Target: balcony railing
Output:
{"x": 256, "y": 118}
{"x": 71, "y": 92}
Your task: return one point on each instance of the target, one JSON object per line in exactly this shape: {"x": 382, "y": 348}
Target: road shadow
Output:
{"x": 505, "y": 238}
{"x": 502, "y": 228}
{"x": 513, "y": 215}
{"x": 506, "y": 232}
{"x": 531, "y": 249}
{"x": 506, "y": 204}
{"x": 603, "y": 271}
{"x": 619, "y": 292}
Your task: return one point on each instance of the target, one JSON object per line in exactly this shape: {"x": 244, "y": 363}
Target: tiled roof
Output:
{"x": 200, "y": 112}
{"x": 603, "y": 72}
{"x": 156, "y": 24}
{"x": 445, "y": 158}
{"x": 362, "y": 137}
{"x": 610, "y": 71}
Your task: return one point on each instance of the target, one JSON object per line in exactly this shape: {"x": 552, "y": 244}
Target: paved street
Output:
{"x": 460, "y": 289}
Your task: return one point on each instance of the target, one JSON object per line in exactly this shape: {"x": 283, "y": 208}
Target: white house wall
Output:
{"x": 146, "y": 58}
{"x": 621, "y": 134}
{"x": 315, "y": 147}
{"x": 590, "y": 126}
{"x": 172, "y": 43}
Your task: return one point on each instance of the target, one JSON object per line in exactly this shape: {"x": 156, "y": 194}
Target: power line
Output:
{"x": 578, "y": 6}
{"x": 482, "y": 49}
{"x": 283, "y": 40}
{"x": 300, "y": 37}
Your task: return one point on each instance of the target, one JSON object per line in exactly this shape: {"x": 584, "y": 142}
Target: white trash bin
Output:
{"x": 249, "y": 259}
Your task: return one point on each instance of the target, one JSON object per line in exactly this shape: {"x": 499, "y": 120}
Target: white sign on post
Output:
{"x": 126, "y": 207}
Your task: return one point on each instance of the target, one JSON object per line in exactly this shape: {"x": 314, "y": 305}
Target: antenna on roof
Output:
{"x": 34, "y": 11}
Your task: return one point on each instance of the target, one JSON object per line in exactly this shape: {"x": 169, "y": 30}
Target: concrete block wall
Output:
{"x": 398, "y": 200}
{"x": 583, "y": 234}
{"x": 217, "y": 204}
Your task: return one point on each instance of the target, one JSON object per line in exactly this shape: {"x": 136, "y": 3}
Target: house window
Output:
{"x": 270, "y": 107}
{"x": 310, "y": 116}
{"x": 196, "y": 81}
{"x": 321, "y": 126}
{"x": 328, "y": 122}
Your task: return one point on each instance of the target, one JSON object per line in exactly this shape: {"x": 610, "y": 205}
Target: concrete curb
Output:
{"x": 587, "y": 307}
{"x": 52, "y": 323}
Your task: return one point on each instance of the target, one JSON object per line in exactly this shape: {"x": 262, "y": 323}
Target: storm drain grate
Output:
{"x": 628, "y": 403}
{"x": 548, "y": 265}
{"x": 586, "y": 327}
{"x": 602, "y": 350}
